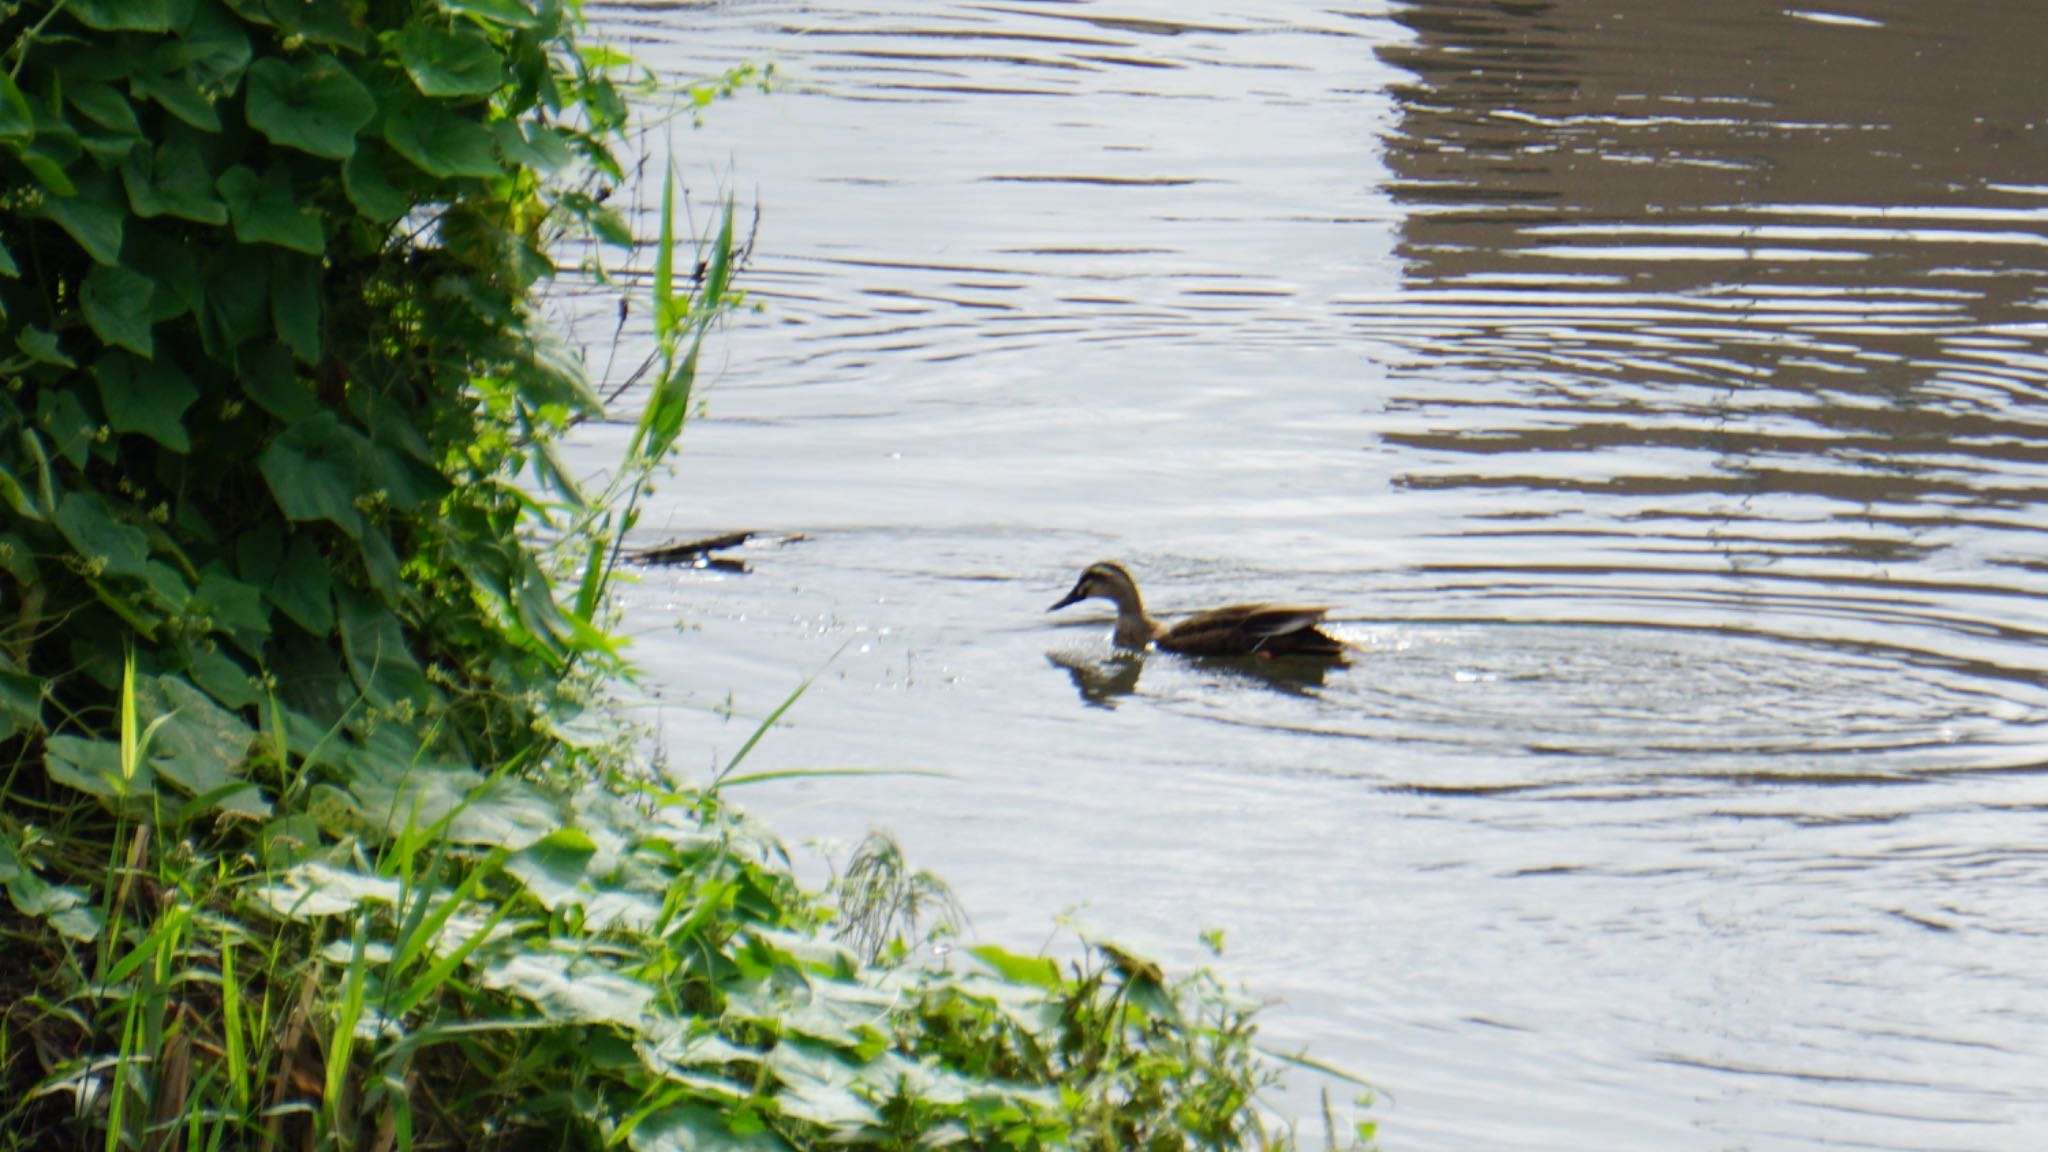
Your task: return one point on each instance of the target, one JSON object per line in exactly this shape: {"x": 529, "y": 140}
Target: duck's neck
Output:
{"x": 1134, "y": 629}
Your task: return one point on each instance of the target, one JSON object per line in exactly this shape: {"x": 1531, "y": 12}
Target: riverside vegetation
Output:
{"x": 317, "y": 829}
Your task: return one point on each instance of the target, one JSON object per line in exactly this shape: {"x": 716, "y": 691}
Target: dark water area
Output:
{"x": 1658, "y": 393}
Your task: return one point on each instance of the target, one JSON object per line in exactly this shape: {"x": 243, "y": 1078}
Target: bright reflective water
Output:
{"x": 1659, "y": 392}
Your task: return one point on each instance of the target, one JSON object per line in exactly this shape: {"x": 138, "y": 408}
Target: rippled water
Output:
{"x": 1661, "y": 397}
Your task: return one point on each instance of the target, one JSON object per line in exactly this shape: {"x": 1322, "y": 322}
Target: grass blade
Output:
{"x": 665, "y": 311}
{"x": 232, "y": 1024}
{"x": 718, "y": 269}
{"x": 807, "y": 773}
{"x": 761, "y": 730}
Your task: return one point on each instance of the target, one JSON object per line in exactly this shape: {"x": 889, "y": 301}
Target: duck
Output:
{"x": 1261, "y": 630}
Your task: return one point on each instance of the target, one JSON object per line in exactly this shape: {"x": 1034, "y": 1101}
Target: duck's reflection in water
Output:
{"x": 1103, "y": 679}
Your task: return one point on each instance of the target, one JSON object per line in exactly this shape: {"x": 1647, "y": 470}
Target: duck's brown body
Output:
{"x": 1236, "y": 630}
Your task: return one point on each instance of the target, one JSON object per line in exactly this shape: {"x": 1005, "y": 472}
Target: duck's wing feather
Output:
{"x": 1240, "y": 629}
{"x": 1257, "y": 619}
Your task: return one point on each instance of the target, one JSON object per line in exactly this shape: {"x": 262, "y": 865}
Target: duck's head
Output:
{"x": 1104, "y": 579}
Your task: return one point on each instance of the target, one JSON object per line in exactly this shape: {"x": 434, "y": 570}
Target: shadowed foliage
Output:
{"x": 316, "y": 828}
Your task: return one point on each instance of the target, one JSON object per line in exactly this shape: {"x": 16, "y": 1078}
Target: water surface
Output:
{"x": 1660, "y": 397}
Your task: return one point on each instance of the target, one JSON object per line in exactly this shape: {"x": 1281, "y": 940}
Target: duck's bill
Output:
{"x": 1073, "y": 597}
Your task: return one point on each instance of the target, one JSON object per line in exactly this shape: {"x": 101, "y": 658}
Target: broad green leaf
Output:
{"x": 93, "y": 531}
{"x": 314, "y": 741}
{"x": 542, "y": 617}
{"x": 273, "y": 381}
{"x": 86, "y": 62}
{"x": 223, "y": 679}
{"x": 441, "y": 143}
{"x": 168, "y": 585}
{"x": 509, "y": 13}
{"x": 176, "y": 93}
{"x": 366, "y": 177}
{"x": 1035, "y": 970}
{"x": 539, "y": 146}
{"x": 123, "y": 15}
{"x": 671, "y": 1044}
{"x": 211, "y": 50}
{"x": 266, "y": 210}
{"x": 146, "y": 397}
{"x": 401, "y": 462}
{"x": 588, "y": 728}
{"x": 488, "y": 304}
{"x": 172, "y": 181}
{"x": 17, "y": 119}
{"x": 817, "y": 1085}
{"x": 315, "y": 471}
{"x": 569, "y": 986}
{"x": 105, "y": 107}
{"x": 815, "y": 954}
{"x": 50, "y": 172}
{"x": 201, "y": 746}
{"x": 315, "y": 888}
{"x": 555, "y": 869}
{"x": 117, "y": 306}
{"x": 696, "y": 1128}
{"x": 68, "y": 909}
{"x": 93, "y": 767}
{"x": 894, "y": 1075}
{"x": 406, "y": 484}
{"x": 108, "y": 149}
{"x": 42, "y": 347}
{"x": 21, "y": 697}
{"x": 72, "y": 431}
{"x": 54, "y": 153}
{"x": 315, "y": 106}
{"x": 8, "y": 267}
{"x": 380, "y": 563}
{"x": 392, "y": 425}
{"x": 450, "y": 61}
{"x": 484, "y": 556}
{"x": 840, "y": 1013}
{"x": 236, "y": 608}
{"x": 15, "y": 558}
{"x": 93, "y": 216}
{"x": 337, "y": 22}
{"x": 295, "y": 304}
{"x": 304, "y": 587}
{"x": 82, "y": 922}
{"x": 389, "y": 752}
{"x": 462, "y": 805}
{"x": 379, "y": 661}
